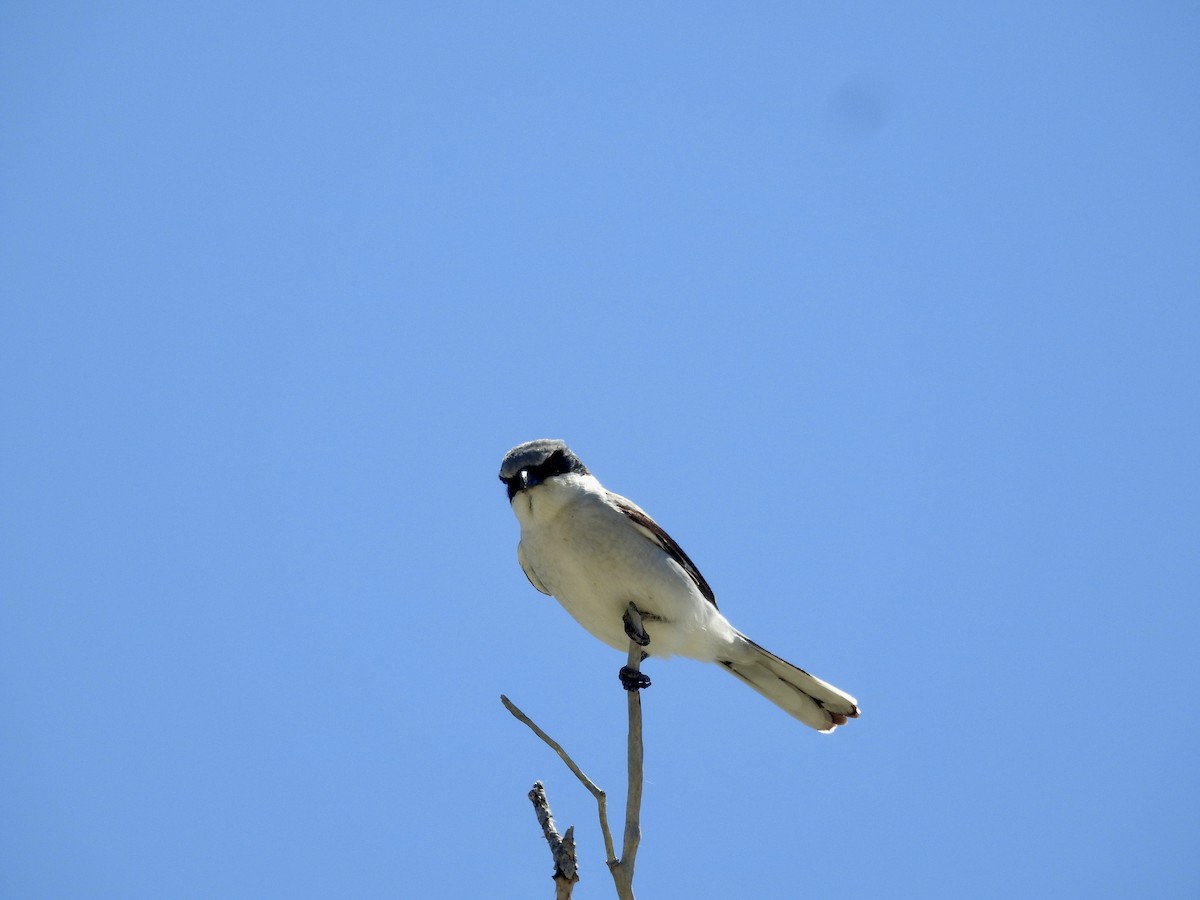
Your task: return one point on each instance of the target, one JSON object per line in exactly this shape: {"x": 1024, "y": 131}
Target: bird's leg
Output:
{"x": 633, "y": 626}
{"x": 631, "y": 676}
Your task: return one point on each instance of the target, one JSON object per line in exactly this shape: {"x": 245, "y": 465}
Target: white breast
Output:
{"x": 587, "y": 554}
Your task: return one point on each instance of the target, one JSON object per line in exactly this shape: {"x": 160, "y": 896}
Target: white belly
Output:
{"x": 595, "y": 563}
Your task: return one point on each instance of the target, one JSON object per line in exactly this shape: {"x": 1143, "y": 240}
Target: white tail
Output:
{"x": 811, "y": 700}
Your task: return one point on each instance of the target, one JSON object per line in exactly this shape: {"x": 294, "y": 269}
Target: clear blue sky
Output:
{"x": 888, "y": 314}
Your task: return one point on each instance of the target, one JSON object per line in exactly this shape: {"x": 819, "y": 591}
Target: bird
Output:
{"x": 597, "y": 552}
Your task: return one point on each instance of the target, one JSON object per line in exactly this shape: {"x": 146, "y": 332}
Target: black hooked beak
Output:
{"x": 519, "y": 482}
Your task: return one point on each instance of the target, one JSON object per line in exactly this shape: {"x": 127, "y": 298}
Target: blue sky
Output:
{"x": 888, "y": 314}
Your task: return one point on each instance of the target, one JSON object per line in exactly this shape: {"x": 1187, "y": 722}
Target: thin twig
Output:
{"x": 601, "y": 798}
{"x": 622, "y": 872}
{"x": 621, "y": 869}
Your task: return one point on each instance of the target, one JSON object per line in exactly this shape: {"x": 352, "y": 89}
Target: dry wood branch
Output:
{"x": 601, "y": 797}
{"x": 621, "y": 869}
{"x": 562, "y": 849}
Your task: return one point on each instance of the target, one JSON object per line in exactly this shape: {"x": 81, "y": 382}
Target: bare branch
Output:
{"x": 622, "y": 871}
{"x": 562, "y": 849}
{"x": 601, "y": 797}
{"x": 565, "y": 885}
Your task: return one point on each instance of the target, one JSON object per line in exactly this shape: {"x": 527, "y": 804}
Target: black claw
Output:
{"x": 636, "y": 632}
{"x": 632, "y": 679}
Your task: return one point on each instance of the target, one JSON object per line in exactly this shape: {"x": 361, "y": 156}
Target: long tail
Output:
{"x": 811, "y": 700}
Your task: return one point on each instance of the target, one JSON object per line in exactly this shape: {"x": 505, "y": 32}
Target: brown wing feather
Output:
{"x": 655, "y": 533}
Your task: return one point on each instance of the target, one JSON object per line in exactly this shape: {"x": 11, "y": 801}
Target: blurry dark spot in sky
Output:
{"x": 858, "y": 108}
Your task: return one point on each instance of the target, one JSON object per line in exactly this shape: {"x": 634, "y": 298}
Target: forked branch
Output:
{"x": 622, "y": 869}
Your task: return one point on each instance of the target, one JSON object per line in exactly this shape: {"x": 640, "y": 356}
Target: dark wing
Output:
{"x": 654, "y": 532}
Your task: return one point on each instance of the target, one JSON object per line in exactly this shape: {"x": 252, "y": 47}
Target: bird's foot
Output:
{"x": 632, "y": 679}
{"x": 633, "y": 626}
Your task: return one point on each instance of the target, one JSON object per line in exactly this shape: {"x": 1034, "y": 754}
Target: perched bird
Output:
{"x": 597, "y": 553}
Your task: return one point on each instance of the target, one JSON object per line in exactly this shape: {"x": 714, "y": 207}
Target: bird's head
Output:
{"x": 528, "y": 465}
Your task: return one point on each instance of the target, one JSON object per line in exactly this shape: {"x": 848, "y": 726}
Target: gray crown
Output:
{"x": 530, "y": 455}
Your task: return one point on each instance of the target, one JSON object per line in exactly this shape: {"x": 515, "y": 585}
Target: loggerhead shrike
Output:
{"x": 597, "y": 553}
